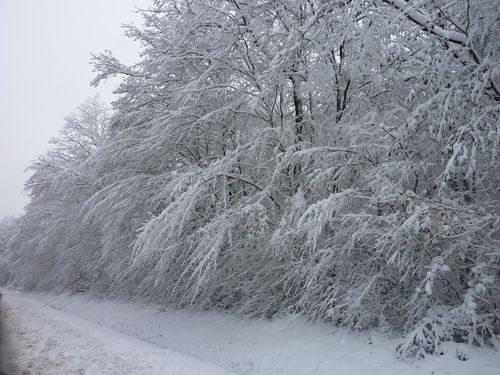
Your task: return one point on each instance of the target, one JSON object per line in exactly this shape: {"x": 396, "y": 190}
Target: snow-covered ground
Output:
{"x": 116, "y": 336}
{"x": 49, "y": 341}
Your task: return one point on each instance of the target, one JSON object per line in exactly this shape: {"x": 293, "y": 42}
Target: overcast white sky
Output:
{"x": 45, "y": 50}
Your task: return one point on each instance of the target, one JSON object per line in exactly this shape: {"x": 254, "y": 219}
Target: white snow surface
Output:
{"x": 49, "y": 341}
{"x": 124, "y": 337}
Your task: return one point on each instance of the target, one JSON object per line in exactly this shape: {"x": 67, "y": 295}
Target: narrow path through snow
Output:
{"x": 53, "y": 342}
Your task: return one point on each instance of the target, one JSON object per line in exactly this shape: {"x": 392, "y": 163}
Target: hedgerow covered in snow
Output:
{"x": 337, "y": 159}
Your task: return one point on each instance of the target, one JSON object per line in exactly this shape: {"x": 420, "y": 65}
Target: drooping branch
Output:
{"x": 422, "y": 19}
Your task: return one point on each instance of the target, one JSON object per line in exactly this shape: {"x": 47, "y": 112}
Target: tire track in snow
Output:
{"x": 6, "y": 352}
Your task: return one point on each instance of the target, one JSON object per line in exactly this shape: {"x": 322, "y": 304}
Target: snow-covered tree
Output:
{"x": 337, "y": 159}
{"x": 8, "y": 227}
{"x": 51, "y": 248}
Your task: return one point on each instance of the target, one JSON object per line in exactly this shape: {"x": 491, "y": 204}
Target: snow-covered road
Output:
{"x": 49, "y": 341}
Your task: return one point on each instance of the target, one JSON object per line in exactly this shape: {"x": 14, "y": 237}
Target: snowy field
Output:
{"x": 78, "y": 335}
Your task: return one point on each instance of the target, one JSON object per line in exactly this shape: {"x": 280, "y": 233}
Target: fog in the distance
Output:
{"x": 45, "y": 50}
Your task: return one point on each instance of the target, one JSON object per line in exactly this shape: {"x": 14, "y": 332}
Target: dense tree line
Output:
{"x": 337, "y": 159}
